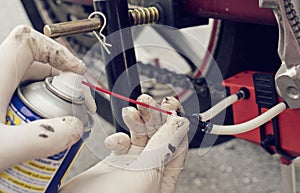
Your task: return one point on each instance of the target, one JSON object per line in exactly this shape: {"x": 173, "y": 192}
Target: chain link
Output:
{"x": 165, "y": 76}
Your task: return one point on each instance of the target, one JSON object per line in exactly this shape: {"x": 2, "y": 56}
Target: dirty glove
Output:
{"x": 148, "y": 162}
{"x": 28, "y": 55}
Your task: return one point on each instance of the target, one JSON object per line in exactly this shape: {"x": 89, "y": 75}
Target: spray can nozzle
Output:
{"x": 68, "y": 86}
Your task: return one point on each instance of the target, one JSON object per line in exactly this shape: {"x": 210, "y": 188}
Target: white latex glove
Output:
{"x": 148, "y": 162}
{"x": 26, "y": 55}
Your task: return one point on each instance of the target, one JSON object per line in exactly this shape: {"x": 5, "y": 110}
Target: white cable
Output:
{"x": 249, "y": 125}
{"x": 216, "y": 109}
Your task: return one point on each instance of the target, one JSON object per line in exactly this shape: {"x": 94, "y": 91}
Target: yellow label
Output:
{"x": 12, "y": 118}
{"x": 21, "y": 183}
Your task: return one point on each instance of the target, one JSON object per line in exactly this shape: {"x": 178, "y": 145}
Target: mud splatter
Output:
{"x": 172, "y": 148}
{"x": 48, "y": 128}
{"x": 43, "y": 135}
{"x": 159, "y": 171}
{"x": 20, "y": 33}
{"x": 167, "y": 157}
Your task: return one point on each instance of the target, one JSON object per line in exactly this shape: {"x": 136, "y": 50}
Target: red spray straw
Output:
{"x": 125, "y": 98}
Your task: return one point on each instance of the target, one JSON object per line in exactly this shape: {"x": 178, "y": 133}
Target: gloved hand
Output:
{"x": 28, "y": 55}
{"x": 148, "y": 162}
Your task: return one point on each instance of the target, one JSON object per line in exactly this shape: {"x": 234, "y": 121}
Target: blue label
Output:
{"x": 22, "y": 110}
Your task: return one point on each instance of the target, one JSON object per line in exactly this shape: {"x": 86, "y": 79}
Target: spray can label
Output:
{"x": 39, "y": 175}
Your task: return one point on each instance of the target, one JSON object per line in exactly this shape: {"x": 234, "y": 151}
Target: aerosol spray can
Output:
{"x": 56, "y": 96}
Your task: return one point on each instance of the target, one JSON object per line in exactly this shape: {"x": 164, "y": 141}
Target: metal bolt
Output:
{"x": 293, "y": 92}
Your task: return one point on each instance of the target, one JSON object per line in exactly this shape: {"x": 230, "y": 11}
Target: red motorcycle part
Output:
{"x": 236, "y": 10}
{"x": 245, "y": 110}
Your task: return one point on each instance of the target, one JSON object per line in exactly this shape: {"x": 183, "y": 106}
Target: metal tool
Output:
{"x": 288, "y": 76}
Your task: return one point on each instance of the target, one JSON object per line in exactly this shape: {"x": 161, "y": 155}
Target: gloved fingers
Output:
{"x": 91, "y": 180}
{"x": 41, "y": 138}
{"x": 136, "y": 125}
{"x": 174, "y": 168}
{"x": 164, "y": 143}
{"x": 38, "y": 47}
{"x": 170, "y": 104}
{"x": 20, "y": 49}
{"x": 171, "y": 134}
{"x": 152, "y": 118}
{"x": 179, "y": 157}
{"x": 89, "y": 99}
{"x": 39, "y": 71}
{"x": 46, "y": 50}
{"x": 169, "y": 180}
{"x": 118, "y": 143}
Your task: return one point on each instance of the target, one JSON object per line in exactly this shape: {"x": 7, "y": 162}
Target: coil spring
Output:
{"x": 293, "y": 18}
{"x": 141, "y": 16}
